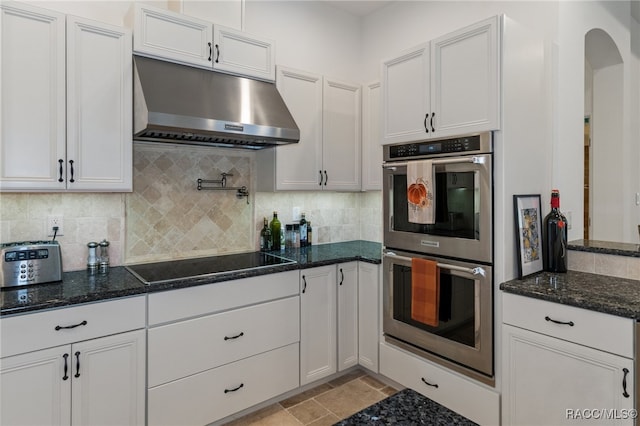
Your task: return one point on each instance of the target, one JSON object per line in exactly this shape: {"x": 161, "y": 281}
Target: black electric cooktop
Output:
{"x": 161, "y": 272}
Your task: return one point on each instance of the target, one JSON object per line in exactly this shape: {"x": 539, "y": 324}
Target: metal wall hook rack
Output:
{"x": 241, "y": 191}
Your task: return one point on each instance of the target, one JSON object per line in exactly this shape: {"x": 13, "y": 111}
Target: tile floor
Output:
{"x": 324, "y": 404}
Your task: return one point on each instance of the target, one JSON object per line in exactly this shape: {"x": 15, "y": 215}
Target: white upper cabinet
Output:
{"x": 371, "y": 149}
{"x": 240, "y": 53}
{"x": 328, "y": 155}
{"x": 32, "y": 95}
{"x": 465, "y": 80}
{"x": 170, "y": 35}
{"x": 184, "y": 39}
{"x": 341, "y": 134}
{"x": 405, "y": 95}
{"x": 99, "y": 106}
{"x": 66, "y": 103}
{"x": 448, "y": 86}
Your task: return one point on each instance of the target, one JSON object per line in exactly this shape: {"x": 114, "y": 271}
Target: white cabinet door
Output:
{"x": 347, "y": 315}
{"x": 465, "y": 80}
{"x": 405, "y": 96}
{"x": 99, "y": 108}
{"x": 296, "y": 166}
{"x": 32, "y": 95}
{"x": 368, "y": 319}
{"x": 547, "y": 380}
{"x": 341, "y": 134}
{"x": 179, "y": 38}
{"x": 240, "y": 53}
{"x": 317, "y": 323}
{"x": 109, "y": 380}
{"x": 36, "y": 388}
{"x": 371, "y": 146}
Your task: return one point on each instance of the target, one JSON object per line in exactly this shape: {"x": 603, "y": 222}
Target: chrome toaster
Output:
{"x": 30, "y": 262}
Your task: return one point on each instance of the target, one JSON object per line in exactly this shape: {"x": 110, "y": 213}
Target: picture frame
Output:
{"x": 528, "y": 222}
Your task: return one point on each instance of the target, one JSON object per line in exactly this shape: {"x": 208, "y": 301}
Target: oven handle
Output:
{"x": 475, "y": 160}
{"x": 473, "y": 271}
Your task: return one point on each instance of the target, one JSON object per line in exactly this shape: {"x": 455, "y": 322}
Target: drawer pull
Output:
{"x": 234, "y": 389}
{"x": 341, "y": 276}
{"x": 66, "y": 327}
{"x": 304, "y": 280}
{"x": 569, "y": 323}
{"x": 66, "y": 366}
{"x": 434, "y": 385}
{"x": 624, "y": 383}
{"x": 234, "y": 337}
{"x": 77, "y": 365}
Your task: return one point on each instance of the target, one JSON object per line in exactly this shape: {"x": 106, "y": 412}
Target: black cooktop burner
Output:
{"x": 152, "y": 273}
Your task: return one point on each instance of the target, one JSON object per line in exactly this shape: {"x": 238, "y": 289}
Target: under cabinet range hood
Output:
{"x": 181, "y": 104}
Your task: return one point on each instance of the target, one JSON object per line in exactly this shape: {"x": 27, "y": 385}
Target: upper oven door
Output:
{"x": 463, "y": 203}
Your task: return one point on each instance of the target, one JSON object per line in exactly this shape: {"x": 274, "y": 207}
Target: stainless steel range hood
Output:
{"x": 181, "y": 104}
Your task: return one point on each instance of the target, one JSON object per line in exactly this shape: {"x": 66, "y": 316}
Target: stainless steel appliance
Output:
{"x": 181, "y": 104}
{"x": 463, "y": 186}
{"x": 30, "y": 262}
{"x": 463, "y": 338}
{"x": 460, "y": 242}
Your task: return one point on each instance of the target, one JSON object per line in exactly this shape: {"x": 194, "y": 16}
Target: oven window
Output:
{"x": 457, "y": 307}
{"x": 457, "y": 206}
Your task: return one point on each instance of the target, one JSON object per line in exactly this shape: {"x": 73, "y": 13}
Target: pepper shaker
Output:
{"x": 104, "y": 255}
{"x": 92, "y": 258}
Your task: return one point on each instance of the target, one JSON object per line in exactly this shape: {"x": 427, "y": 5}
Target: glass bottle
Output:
{"x": 276, "y": 232}
{"x": 303, "y": 231}
{"x": 265, "y": 237}
{"x": 555, "y": 237}
{"x": 309, "y": 234}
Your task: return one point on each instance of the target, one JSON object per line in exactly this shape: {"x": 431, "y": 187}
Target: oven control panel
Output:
{"x": 438, "y": 147}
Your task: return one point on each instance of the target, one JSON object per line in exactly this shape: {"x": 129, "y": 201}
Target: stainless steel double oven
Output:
{"x": 461, "y": 242}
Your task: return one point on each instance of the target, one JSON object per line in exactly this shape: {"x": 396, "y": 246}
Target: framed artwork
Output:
{"x": 528, "y": 222}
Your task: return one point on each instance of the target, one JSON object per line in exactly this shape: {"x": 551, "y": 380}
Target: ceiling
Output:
{"x": 359, "y": 7}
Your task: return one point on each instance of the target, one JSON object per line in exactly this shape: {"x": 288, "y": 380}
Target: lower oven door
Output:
{"x": 464, "y": 331}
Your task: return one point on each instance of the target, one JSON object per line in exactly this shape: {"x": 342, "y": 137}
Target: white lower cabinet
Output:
{"x": 469, "y": 399}
{"x": 368, "y": 315}
{"x": 318, "y": 342}
{"x": 564, "y": 365}
{"x": 213, "y": 394}
{"x": 218, "y": 349}
{"x": 97, "y": 381}
{"x": 347, "y": 294}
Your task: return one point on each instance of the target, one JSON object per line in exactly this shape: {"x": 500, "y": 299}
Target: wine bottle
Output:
{"x": 555, "y": 237}
{"x": 276, "y": 231}
{"x": 303, "y": 231}
{"x": 265, "y": 237}
{"x": 309, "y": 234}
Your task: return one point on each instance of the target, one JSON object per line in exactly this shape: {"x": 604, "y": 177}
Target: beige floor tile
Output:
{"x": 374, "y": 383}
{"x": 347, "y": 378}
{"x": 349, "y": 398}
{"x": 303, "y": 396}
{"x": 308, "y": 411}
{"x": 328, "y": 420}
{"x": 273, "y": 415}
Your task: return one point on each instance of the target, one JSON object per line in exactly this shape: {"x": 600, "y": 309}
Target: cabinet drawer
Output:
{"x": 188, "y": 347}
{"x": 480, "y": 404}
{"x": 35, "y": 331}
{"x": 214, "y": 394}
{"x": 606, "y": 332}
{"x": 189, "y": 302}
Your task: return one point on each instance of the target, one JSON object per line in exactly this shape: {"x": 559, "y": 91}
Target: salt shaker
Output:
{"x": 104, "y": 255}
{"x": 92, "y": 258}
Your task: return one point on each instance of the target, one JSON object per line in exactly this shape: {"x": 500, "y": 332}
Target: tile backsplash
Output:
{"x": 166, "y": 217}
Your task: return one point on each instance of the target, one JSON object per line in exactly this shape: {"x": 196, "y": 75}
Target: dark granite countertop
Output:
{"x": 82, "y": 287}
{"x": 601, "y": 293}
{"x": 406, "y": 408}
{"x": 605, "y": 247}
